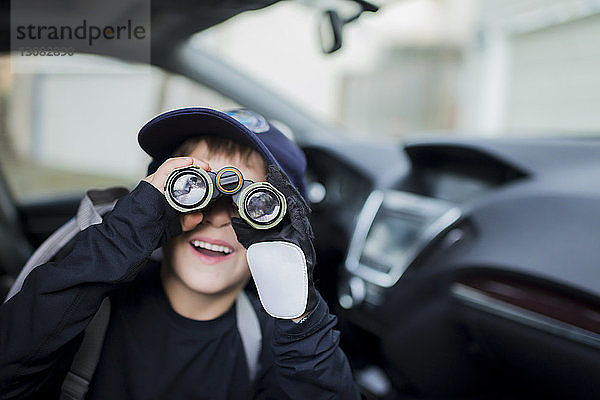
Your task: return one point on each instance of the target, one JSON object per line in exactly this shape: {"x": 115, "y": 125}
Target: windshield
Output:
{"x": 490, "y": 68}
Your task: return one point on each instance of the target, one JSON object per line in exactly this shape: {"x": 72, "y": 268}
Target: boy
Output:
{"x": 172, "y": 331}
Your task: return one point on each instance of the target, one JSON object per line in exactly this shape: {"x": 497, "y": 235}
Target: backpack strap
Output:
{"x": 77, "y": 381}
{"x": 249, "y": 328}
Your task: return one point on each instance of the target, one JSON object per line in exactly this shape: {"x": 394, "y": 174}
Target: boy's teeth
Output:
{"x": 210, "y": 246}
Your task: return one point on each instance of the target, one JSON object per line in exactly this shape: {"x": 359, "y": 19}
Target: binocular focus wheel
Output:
{"x": 229, "y": 180}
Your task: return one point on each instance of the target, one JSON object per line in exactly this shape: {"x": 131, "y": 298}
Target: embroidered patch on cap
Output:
{"x": 251, "y": 120}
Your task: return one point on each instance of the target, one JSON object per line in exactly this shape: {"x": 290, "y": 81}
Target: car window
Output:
{"x": 63, "y": 127}
{"x": 487, "y": 68}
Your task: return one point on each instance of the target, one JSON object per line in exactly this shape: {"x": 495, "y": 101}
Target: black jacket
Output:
{"x": 150, "y": 351}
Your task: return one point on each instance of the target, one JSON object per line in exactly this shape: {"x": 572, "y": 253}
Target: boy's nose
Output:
{"x": 217, "y": 215}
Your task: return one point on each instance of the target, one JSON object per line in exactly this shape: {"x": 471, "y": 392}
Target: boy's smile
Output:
{"x": 211, "y": 251}
{"x": 211, "y": 248}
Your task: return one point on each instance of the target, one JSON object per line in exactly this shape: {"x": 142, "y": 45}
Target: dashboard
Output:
{"x": 474, "y": 256}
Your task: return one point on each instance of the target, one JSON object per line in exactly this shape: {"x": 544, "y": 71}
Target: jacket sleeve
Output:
{"x": 308, "y": 362}
{"x": 41, "y": 325}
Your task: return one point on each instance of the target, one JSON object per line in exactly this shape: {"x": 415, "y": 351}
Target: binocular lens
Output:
{"x": 262, "y": 207}
{"x": 188, "y": 190}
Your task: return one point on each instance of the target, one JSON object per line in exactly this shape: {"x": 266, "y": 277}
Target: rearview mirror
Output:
{"x": 331, "y": 26}
{"x": 330, "y": 32}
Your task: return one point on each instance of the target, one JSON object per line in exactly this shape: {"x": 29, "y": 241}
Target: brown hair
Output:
{"x": 221, "y": 147}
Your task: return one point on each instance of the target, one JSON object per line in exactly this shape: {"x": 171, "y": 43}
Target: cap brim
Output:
{"x": 164, "y": 133}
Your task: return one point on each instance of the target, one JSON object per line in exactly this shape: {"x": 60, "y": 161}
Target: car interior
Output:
{"x": 459, "y": 267}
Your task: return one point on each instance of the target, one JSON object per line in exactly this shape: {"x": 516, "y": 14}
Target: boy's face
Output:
{"x": 207, "y": 258}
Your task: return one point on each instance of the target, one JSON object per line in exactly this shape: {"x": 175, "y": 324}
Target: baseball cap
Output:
{"x": 161, "y": 136}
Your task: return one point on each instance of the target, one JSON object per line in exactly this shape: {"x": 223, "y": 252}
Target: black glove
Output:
{"x": 282, "y": 266}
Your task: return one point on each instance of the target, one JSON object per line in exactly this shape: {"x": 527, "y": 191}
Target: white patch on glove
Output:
{"x": 280, "y": 274}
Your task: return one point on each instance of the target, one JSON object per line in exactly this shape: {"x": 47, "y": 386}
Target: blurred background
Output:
{"x": 476, "y": 67}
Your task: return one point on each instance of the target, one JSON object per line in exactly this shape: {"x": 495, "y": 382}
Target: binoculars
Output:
{"x": 191, "y": 188}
